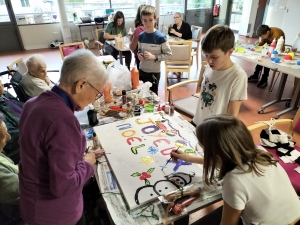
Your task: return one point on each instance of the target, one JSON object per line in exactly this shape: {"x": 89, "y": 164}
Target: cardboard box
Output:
{"x": 119, "y": 42}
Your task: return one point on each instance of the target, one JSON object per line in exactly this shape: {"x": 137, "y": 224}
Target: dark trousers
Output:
{"x": 213, "y": 218}
{"x": 265, "y": 74}
{"x": 112, "y": 51}
{"x": 152, "y": 78}
{"x": 137, "y": 61}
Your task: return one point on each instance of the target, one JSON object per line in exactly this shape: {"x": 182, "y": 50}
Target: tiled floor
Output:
{"x": 248, "y": 113}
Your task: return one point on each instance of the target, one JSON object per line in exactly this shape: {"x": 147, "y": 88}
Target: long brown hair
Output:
{"x": 138, "y": 21}
{"x": 227, "y": 142}
{"x": 117, "y": 16}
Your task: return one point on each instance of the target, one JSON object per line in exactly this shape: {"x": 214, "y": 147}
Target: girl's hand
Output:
{"x": 179, "y": 155}
{"x": 148, "y": 55}
{"x": 90, "y": 158}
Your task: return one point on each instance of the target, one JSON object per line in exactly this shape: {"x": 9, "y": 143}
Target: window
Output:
{"x": 199, "y": 4}
{"x": 25, "y": 3}
{"x": 2, "y": 2}
{"x": 171, "y": 6}
{"x": 128, "y": 7}
{"x": 34, "y": 11}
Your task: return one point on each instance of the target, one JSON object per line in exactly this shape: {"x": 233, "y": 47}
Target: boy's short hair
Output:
{"x": 148, "y": 10}
{"x": 218, "y": 37}
{"x": 262, "y": 29}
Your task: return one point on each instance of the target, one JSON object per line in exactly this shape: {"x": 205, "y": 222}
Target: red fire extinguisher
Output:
{"x": 216, "y": 10}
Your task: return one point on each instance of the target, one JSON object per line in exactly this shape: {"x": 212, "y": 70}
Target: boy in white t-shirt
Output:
{"x": 224, "y": 84}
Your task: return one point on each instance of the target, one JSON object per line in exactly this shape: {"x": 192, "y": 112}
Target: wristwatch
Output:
{"x": 156, "y": 59}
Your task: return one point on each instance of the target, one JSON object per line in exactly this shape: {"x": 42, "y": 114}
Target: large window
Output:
{"x": 199, "y": 4}
{"x": 171, "y": 6}
{"x": 25, "y": 3}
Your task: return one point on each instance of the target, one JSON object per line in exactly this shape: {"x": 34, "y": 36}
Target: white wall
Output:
{"x": 248, "y": 17}
{"x": 275, "y": 13}
{"x": 40, "y": 36}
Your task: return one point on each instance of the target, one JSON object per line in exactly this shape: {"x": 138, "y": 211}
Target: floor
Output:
{"x": 248, "y": 113}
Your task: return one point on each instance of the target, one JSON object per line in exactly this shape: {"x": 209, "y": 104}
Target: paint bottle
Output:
{"x": 124, "y": 97}
{"x": 280, "y": 43}
{"x": 167, "y": 108}
{"x": 96, "y": 142}
{"x": 135, "y": 78}
{"x": 92, "y": 116}
{"x": 172, "y": 109}
{"x": 272, "y": 47}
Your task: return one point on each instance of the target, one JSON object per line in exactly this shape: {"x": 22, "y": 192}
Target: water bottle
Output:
{"x": 280, "y": 44}
{"x": 92, "y": 116}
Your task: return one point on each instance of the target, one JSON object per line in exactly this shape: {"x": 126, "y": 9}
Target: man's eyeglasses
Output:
{"x": 99, "y": 94}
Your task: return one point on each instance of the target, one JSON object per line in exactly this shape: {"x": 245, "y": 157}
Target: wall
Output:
{"x": 222, "y": 13}
{"x": 248, "y": 17}
{"x": 40, "y": 35}
{"x": 274, "y": 16}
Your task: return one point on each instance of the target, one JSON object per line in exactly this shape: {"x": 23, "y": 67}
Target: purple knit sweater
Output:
{"x": 52, "y": 172}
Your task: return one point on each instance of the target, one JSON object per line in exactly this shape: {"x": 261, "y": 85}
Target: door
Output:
{"x": 199, "y": 13}
{"x": 9, "y": 32}
{"x": 290, "y": 25}
{"x": 259, "y": 15}
{"x": 234, "y": 14}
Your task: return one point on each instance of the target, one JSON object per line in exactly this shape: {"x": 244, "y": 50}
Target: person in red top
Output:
{"x": 139, "y": 27}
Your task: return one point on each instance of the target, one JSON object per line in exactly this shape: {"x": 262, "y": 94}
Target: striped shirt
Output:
{"x": 155, "y": 43}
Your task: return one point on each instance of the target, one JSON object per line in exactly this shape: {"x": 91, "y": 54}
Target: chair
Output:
{"x": 17, "y": 68}
{"x": 67, "y": 49}
{"x": 187, "y": 106}
{"x": 180, "y": 60}
{"x": 100, "y": 40}
{"x": 196, "y": 37}
{"x": 294, "y": 128}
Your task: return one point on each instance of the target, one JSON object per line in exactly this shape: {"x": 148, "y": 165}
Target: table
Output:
{"x": 88, "y": 25}
{"x": 117, "y": 209}
{"x": 126, "y": 48}
{"x": 266, "y": 62}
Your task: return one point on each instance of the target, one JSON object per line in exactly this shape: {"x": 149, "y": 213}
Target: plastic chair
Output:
{"x": 294, "y": 128}
{"x": 196, "y": 38}
{"x": 187, "y": 106}
{"x": 180, "y": 60}
{"x": 67, "y": 49}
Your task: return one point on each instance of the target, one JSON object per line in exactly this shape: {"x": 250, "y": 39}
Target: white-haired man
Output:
{"x": 53, "y": 167}
{"x": 36, "y": 80}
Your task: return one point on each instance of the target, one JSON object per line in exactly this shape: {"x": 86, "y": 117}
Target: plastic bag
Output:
{"x": 144, "y": 90}
{"x": 119, "y": 76}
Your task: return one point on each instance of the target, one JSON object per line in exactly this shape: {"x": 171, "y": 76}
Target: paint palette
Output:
{"x": 140, "y": 147}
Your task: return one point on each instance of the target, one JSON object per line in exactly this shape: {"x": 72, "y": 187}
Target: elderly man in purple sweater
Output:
{"x": 53, "y": 168}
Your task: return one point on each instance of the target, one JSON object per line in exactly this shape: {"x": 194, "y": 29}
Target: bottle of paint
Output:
{"x": 272, "y": 47}
{"x": 135, "y": 78}
{"x": 96, "y": 142}
{"x": 167, "y": 108}
{"x": 92, "y": 116}
{"x": 172, "y": 109}
{"x": 124, "y": 97}
{"x": 279, "y": 45}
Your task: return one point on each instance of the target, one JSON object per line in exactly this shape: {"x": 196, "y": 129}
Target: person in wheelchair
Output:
{"x": 11, "y": 109}
{"x": 9, "y": 181}
{"x": 36, "y": 80}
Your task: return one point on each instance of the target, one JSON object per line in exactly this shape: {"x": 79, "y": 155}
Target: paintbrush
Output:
{"x": 169, "y": 159}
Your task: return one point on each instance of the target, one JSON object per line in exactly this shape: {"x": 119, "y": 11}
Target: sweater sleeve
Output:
{"x": 166, "y": 52}
{"x": 9, "y": 186}
{"x": 67, "y": 171}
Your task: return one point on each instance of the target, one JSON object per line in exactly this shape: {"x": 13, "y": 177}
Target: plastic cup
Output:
{"x": 298, "y": 63}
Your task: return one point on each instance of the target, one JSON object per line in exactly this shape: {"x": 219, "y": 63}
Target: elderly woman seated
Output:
{"x": 9, "y": 181}
{"x": 36, "y": 80}
{"x": 11, "y": 108}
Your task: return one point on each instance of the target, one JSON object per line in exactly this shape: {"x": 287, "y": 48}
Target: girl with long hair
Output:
{"x": 255, "y": 188}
